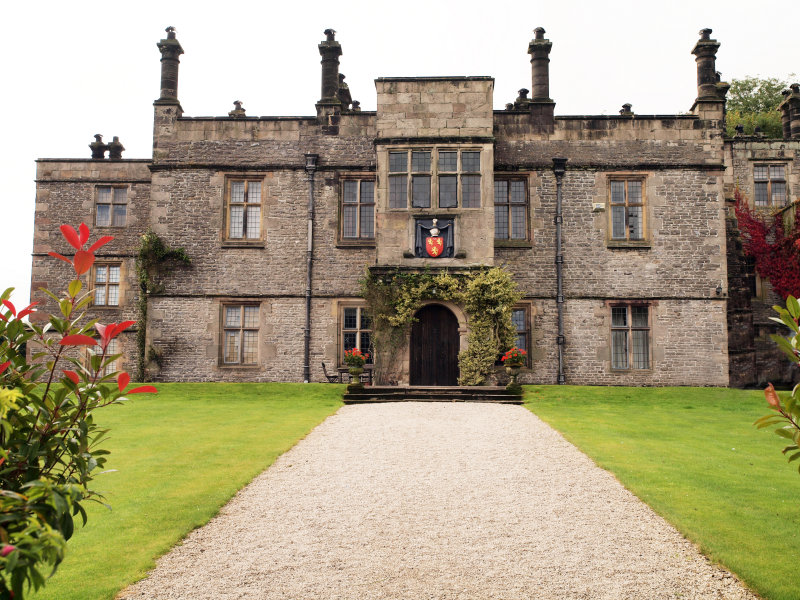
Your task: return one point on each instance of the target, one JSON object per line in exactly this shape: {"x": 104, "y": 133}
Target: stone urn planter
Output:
{"x": 513, "y": 360}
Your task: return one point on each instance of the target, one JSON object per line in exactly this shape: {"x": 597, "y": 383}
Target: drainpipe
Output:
{"x": 559, "y": 168}
{"x": 311, "y": 167}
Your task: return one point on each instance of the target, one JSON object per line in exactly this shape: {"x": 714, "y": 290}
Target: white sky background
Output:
{"x": 73, "y": 69}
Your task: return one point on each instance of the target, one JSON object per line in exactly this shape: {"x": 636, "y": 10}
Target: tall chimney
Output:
{"x": 786, "y": 115}
{"x": 705, "y": 52}
{"x": 330, "y": 50}
{"x": 793, "y": 100}
{"x": 170, "y": 59}
{"x": 541, "y": 104}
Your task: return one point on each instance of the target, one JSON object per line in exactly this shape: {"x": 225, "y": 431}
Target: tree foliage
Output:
{"x": 753, "y": 102}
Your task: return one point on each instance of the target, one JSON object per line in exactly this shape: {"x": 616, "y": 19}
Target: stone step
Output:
{"x": 377, "y": 394}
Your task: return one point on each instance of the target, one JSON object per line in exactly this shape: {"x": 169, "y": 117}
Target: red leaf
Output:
{"x": 10, "y": 307}
{"x": 84, "y": 233}
{"x": 143, "y": 389}
{"x": 73, "y": 377}
{"x": 105, "y": 333}
{"x": 123, "y": 380}
{"x": 4, "y": 366}
{"x": 83, "y": 261}
{"x": 772, "y": 397}
{"x": 78, "y": 340}
{"x": 101, "y": 242}
{"x": 2, "y": 316}
{"x": 71, "y": 236}
{"x": 60, "y": 257}
{"x": 27, "y": 310}
{"x": 117, "y": 329}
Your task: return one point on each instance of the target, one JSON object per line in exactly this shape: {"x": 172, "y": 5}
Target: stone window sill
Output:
{"x": 513, "y": 244}
{"x": 243, "y": 244}
{"x": 640, "y": 244}
{"x": 356, "y": 243}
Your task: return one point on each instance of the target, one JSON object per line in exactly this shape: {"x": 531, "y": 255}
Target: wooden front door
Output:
{"x": 434, "y": 347}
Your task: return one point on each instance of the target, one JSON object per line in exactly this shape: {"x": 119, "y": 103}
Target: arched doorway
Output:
{"x": 434, "y": 347}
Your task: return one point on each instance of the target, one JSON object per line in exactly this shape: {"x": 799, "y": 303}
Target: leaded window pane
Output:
{"x": 448, "y": 161}
{"x": 251, "y": 316}
{"x": 448, "y": 191}
{"x": 367, "y": 192}
{"x": 120, "y": 195}
{"x": 522, "y": 342}
{"x": 349, "y": 339}
{"x": 250, "y": 347}
{"x": 233, "y": 316}
{"x": 619, "y": 316}
{"x": 501, "y": 222}
{"x": 641, "y": 350}
{"x": 778, "y": 193}
{"x": 237, "y": 221}
{"x": 471, "y": 162}
{"x": 760, "y": 172}
{"x": 618, "y": 192}
{"x": 349, "y": 213}
{"x": 618, "y": 222}
{"x": 350, "y": 318}
{"x": 100, "y": 296}
{"x": 420, "y": 161}
{"x": 634, "y": 192}
{"x": 471, "y": 191}
{"x": 253, "y": 222}
{"x": 113, "y": 274}
{"x": 639, "y": 316}
{"x": 120, "y": 214}
{"x": 761, "y": 193}
{"x": 367, "y": 221}
{"x": 100, "y": 274}
{"x": 518, "y": 319}
{"x": 398, "y": 162}
{"x": 350, "y": 191}
{"x": 365, "y": 321}
{"x": 104, "y": 195}
{"x": 103, "y": 215}
{"x": 237, "y": 192}
{"x": 635, "y": 222}
{"x": 113, "y": 295}
{"x": 518, "y": 229}
{"x": 518, "y": 191}
{"x": 366, "y": 345}
{"x": 500, "y": 191}
{"x": 231, "y": 347}
{"x": 421, "y": 191}
{"x": 398, "y": 192}
{"x": 254, "y": 192}
{"x": 619, "y": 349}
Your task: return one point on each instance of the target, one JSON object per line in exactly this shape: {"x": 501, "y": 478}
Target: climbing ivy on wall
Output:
{"x": 487, "y": 296}
{"x": 153, "y": 260}
{"x": 773, "y": 243}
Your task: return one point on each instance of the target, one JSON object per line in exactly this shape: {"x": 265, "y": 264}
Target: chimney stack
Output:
{"x": 790, "y": 113}
{"x": 170, "y": 59}
{"x": 330, "y": 50}
{"x": 705, "y": 52}
{"x": 541, "y": 104}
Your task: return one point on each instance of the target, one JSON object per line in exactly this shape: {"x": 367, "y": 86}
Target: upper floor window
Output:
{"x": 630, "y": 337}
{"x": 452, "y": 177}
{"x": 106, "y": 284}
{"x": 358, "y": 209}
{"x": 244, "y": 209}
{"x": 356, "y": 332}
{"x": 626, "y": 197}
{"x": 770, "y": 185}
{"x": 111, "y": 206}
{"x": 240, "y": 324}
{"x": 510, "y": 209}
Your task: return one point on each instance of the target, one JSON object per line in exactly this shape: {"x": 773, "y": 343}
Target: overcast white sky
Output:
{"x": 73, "y": 69}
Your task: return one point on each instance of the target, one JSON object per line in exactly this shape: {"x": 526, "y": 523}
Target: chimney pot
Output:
{"x": 539, "y": 33}
{"x": 171, "y": 51}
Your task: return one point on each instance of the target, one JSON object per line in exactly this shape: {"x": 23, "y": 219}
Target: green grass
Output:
{"x": 694, "y": 456}
{"x": 180, "y": 455}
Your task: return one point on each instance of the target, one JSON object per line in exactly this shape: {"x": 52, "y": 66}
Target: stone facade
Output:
{"x": 282, "y": 215}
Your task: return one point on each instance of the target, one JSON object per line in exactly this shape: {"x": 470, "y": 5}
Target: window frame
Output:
{"x": 358, "y": 240}
{"x": 769, "y": 180}
{"x": 527, "y": 330}
{"x": 511, "y": 241}
{"x": 111, "y": 204}
{"x": 435, "y": 175}
{"x": 644, "y": 240}
{"x": 228, "y": 240}
{"x": 629, "y": 328}
{"x": 93, "y": 283}
{"x": 241, "y": 329}
{"x": 360, "y": 309}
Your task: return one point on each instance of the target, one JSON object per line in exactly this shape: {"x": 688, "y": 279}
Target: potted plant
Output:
{"x": 355, "y": 360}
{"x": 513, "y": 361}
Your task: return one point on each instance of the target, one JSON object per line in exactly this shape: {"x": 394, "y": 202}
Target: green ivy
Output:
{"x": 487, "y": 296}
{"x": 152, "y": 262}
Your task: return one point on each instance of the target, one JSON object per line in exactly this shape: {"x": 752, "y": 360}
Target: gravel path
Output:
{"x": 430, "y": 500}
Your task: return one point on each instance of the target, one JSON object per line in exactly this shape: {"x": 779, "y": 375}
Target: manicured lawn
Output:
{"x": 180, "y": 455}
{"x": 693, "y": 455}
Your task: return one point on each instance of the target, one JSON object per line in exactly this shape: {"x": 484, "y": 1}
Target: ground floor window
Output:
{"x": 111, "y": 349}
{"x": 240, "y": 334}
{"x": 521, "y": 319}
{"x": 630, "y": 337}
{"x": 356, "y": 332}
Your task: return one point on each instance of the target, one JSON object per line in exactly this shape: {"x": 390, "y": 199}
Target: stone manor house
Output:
{"x": 617, "y": 229}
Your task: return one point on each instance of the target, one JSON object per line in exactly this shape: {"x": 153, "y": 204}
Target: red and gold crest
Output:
{"x": 434, "y": 246}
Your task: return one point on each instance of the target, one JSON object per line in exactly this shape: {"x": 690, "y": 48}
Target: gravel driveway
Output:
{"x": 433, "y": 500}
